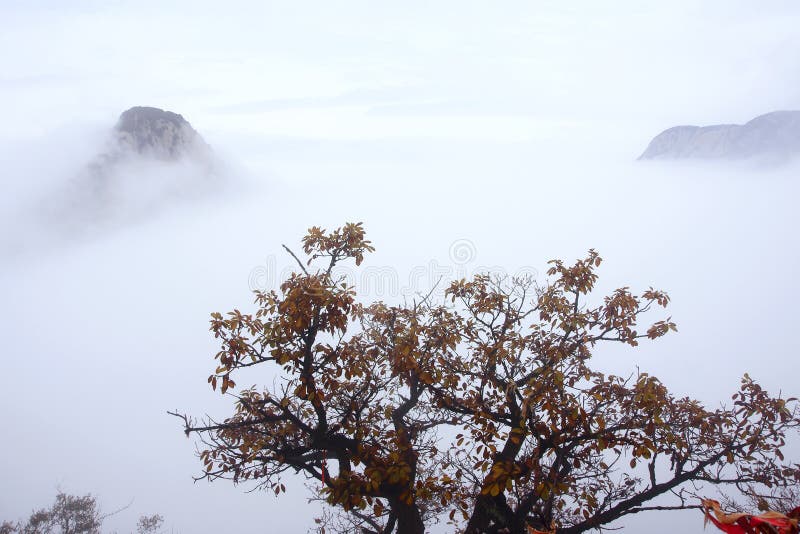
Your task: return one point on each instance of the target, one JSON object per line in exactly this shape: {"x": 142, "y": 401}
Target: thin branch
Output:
{"x": 300, "y": 263}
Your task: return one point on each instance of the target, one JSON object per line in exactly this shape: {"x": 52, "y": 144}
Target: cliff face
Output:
{"x": 775, "y": 135}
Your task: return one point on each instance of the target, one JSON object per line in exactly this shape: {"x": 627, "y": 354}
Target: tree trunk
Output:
{"x": 490, "y": 515}
{"x": 409, "y": 518}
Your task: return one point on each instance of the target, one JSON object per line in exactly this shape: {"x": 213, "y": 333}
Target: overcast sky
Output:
{"x": 508, "y": 130}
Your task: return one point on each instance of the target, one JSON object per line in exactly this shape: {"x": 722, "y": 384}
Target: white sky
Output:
{"x": 512, "y": 125}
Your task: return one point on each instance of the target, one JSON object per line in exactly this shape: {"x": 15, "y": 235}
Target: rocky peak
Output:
{"x": 148, "y": 134}
{"x": 157, "y": 133}
{"x": 151, "y": 159}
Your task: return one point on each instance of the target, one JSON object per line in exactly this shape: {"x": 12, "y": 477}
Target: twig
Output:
{"x": 300, "y": 263}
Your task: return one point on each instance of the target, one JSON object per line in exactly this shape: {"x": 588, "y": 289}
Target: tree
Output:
{"x": 71, "y": 514}
{"x": 149, "y": 524}
{"x": 482, "y": 410}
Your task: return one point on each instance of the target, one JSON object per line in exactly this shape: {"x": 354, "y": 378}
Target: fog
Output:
{"x": 465, "y": 136}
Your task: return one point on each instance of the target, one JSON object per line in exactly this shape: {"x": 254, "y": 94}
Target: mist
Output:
{"x": 465, "y": 137}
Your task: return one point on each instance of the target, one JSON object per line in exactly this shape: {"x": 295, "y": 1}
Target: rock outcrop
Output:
{"x": 774, "y": 136}
{"x": 151, "y": 159}
{"x": 155, "y": 134}
{"x": 147, "y": 164}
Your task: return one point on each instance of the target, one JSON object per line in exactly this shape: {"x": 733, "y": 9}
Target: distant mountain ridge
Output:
{"x": 774, "y": 136}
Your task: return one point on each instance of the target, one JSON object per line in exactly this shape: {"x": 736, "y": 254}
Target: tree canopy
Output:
{"x": 74, "y": 514}
{"x": 482, "y": 410}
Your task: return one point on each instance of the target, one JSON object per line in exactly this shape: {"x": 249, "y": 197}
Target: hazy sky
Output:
{"x": 510, "y": 129}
